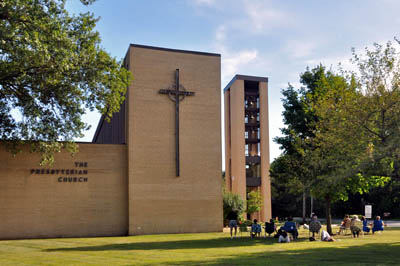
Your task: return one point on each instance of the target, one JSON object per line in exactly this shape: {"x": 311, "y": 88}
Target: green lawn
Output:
{"x": 203, "y": 249}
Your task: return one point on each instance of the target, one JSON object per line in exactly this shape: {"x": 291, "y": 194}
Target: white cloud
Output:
{"x": 232, "y": 63}
{"x": 344, "y": 59}
{"x": 300, "y": 48}
{"x": 205, "y": 2}
{"x": 262, "y": 17}
{"x": 220, "y": 34}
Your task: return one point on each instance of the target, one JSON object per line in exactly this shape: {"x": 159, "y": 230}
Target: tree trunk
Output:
{"x": 304, "y": 207}
{"x": 328, "y": 216}
{"x": 312, "y": 204}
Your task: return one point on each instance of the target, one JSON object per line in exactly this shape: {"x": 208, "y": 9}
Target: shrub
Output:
{"x": 233, "y": 202}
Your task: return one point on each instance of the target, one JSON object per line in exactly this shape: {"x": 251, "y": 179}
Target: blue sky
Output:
{"x": 276, "y": 39}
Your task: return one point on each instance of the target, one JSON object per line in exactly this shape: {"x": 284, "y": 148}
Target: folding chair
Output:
{"x": 314, "y": 228}
{"x": 269, "y": 229}
{"x": 346, "y": 227}
{"x": 243, "y": 229}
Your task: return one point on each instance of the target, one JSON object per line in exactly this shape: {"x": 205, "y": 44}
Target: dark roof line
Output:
{"x": 173, "y": 50}
{"x": 245, "y": 77}
{"x": 99, "y": 125}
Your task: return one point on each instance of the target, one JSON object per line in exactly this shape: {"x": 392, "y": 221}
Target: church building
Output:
{"x": 155, "y": 168}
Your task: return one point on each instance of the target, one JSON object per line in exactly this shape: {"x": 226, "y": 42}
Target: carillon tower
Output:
{"x": 247, "y": 139}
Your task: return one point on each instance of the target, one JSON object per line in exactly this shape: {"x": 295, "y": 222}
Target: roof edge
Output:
{"x": 173, "y": 50}
{"x": 99, "y": 125}
{"x": 245, "y": 77}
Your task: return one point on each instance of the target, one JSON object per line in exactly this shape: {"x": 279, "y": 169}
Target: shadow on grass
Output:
{"x": 368, "y": 254}
{"x": 328, "y": 254}
{"x": 181, "y": 244}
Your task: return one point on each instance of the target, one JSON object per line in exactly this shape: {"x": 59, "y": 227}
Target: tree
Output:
{"x": 357, "y": 134}
{"x": 51, "y": 68}
{"x": 299, "y": 118}
{"x": 319, "y": 152}
{"x": 377, "y": 110}
{"x": 254, "y": 202}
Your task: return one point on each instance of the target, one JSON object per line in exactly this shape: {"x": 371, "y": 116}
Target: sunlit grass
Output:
{"x": 203, "y": 249}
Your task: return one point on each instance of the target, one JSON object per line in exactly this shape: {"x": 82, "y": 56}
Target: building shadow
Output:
{"x": 330, "y": 253}
{"x": 182, "y": 244}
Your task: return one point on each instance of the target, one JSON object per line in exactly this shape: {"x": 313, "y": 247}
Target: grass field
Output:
{"x": 203, "y": 249}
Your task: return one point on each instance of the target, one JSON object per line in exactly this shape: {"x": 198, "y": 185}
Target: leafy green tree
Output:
{"x": 357, "y": 133}
{"x": 319, "y": 154}
{"x": 289, "y": 184}
{"x": 254, "y": 202}
{"x": 377, "y": 111}
{"x": 51, "y": 69}
{"x": 299, "y": 118}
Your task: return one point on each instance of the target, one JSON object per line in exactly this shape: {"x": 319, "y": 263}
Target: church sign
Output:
{"x": 79, "y": 174}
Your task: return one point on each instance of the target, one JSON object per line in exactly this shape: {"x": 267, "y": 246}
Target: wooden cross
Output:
{"x": 176, "y": 95}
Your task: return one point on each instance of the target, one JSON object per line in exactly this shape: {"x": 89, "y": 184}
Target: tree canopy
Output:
{"x": 342, "y": 129}
{"x": 52, "y": 68}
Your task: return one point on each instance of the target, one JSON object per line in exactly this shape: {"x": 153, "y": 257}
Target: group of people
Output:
{"x": 282, "y": 234}
{"x": 290, "y": 229}
{"x": 355, "y": 228}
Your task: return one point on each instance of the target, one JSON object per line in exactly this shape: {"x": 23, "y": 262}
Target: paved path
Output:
{"x": 392, "y": 223}
{"x": 336, "y": 222}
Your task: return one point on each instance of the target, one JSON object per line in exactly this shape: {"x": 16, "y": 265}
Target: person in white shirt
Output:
{"x": 283, "y": 237}
{"x": 326, "y": 237}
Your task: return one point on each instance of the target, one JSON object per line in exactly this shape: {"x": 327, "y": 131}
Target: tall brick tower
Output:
{"x": 247, "y": 139}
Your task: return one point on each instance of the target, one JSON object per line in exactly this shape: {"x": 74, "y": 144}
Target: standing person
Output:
{"x": 365, "y": 224}
{"x": 232, "y": 218}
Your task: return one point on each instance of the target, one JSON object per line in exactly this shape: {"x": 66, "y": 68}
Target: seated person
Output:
{"x": 283, "y": 236}
{"x": 345, "y": 223}
{"x": 378, "y": 224}
{"x": 290, "y": 227}
{"x": 315, "y": 225}
{"x": 269, "y": 227}
{"x": 365, "y": 224}
{"x": 326, "y": 237}
{"x": 354, "y": 228}
{"x": 255, "y": 229}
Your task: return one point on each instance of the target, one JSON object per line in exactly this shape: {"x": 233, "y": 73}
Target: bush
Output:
{"x": 233, "y": 202}
{"x": 247, "y": 222}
